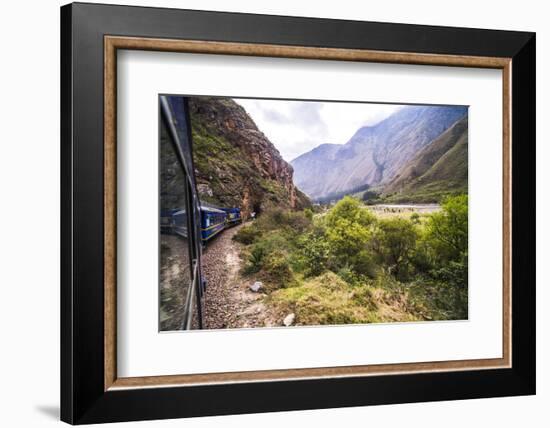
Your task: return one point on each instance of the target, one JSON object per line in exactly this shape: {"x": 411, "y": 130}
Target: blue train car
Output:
{"x": 212, "y": 222}
{"x": 233, "y": 216}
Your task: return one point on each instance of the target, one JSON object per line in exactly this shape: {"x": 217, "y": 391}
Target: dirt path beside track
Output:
{"x": 229, "y": 302}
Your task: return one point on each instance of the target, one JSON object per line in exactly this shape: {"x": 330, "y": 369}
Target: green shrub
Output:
{"x": 255, "y": 259}
{"x": 454, "y": 273}
{"x": 421, "y": 258}
{"x": 299, "y": 221}
{"x": 349, "y": 209}
{"x": 363, "y": 263}
{"x": 277, "y": 219}
{"x": 439, "y": 300}
{"x": 270, "y": 257}
{"x": 348, "y": 232}
{"x": 448, "y": 229}
{"x": 447, "y": 238}
{"x": 314, "y": 251}
{"x": 349, "y": 275}
{"x": 247, "y": 235}
{"x": 277, "y": 269}
{"x": 395, "y": 244}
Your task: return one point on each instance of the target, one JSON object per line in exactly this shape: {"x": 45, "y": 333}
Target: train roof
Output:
{"x": 209, "y": 208}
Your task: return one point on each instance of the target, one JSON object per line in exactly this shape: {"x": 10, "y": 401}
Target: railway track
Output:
{"x": 228, "y": 301}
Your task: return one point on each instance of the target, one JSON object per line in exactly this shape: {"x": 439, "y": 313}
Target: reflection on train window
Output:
{"x": 175, "y": 260}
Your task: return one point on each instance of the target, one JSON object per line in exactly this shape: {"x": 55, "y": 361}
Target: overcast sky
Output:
{"x": 296, "y": 127}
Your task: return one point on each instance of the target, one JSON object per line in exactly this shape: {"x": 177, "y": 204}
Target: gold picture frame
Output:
{"x": 114, "y": 43}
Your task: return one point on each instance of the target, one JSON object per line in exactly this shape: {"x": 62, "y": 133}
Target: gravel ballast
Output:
{"x": 228, "y": 301}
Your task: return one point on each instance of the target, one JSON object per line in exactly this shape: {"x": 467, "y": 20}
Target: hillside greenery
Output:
{"x": 347, "y": 265}
{"x": 438, "y": 171}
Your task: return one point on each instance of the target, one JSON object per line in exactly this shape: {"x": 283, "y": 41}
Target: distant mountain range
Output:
{"x": 419, "y": 152}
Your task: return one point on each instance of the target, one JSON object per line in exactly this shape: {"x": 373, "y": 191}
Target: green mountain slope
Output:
{"x": 440, "y": 169}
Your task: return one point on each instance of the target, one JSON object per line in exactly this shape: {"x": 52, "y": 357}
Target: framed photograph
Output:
{"x": 266, "y": 213}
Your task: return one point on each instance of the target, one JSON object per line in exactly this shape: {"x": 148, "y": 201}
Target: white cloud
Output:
{"x": 296, "y": 127}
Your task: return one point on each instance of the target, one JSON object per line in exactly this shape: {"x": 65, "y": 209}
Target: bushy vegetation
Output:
{"x": 349, "y": 266}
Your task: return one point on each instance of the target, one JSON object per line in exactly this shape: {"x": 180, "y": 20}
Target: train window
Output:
{"x": 176, "y": 276}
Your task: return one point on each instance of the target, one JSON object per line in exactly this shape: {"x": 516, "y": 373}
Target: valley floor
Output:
{"x": 402, "y": 210}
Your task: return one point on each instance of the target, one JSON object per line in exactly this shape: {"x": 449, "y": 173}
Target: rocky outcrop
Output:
{"x": 235, "y": 164}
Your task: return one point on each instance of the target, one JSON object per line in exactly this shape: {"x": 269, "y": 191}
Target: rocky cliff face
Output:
{"x": 375, "y": 154}
{"x": 235, "y": 164}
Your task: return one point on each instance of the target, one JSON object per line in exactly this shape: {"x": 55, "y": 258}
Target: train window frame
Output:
{"x": 91, "y": 391}
{"x": 164, "y": 121}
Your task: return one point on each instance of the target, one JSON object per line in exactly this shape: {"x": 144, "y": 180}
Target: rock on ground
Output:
{"x": 289, "y": 320}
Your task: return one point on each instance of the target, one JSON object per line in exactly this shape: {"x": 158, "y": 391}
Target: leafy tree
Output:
{"x": 315, "y": 253}
{"x": 448, "y": 229}
{"x": 348, "y": 231}
{"x": 396, "y": 242}
{"x": 350, "y": 209}
{"x": 422, "y": 258}
{"x": 447, "y": 233}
